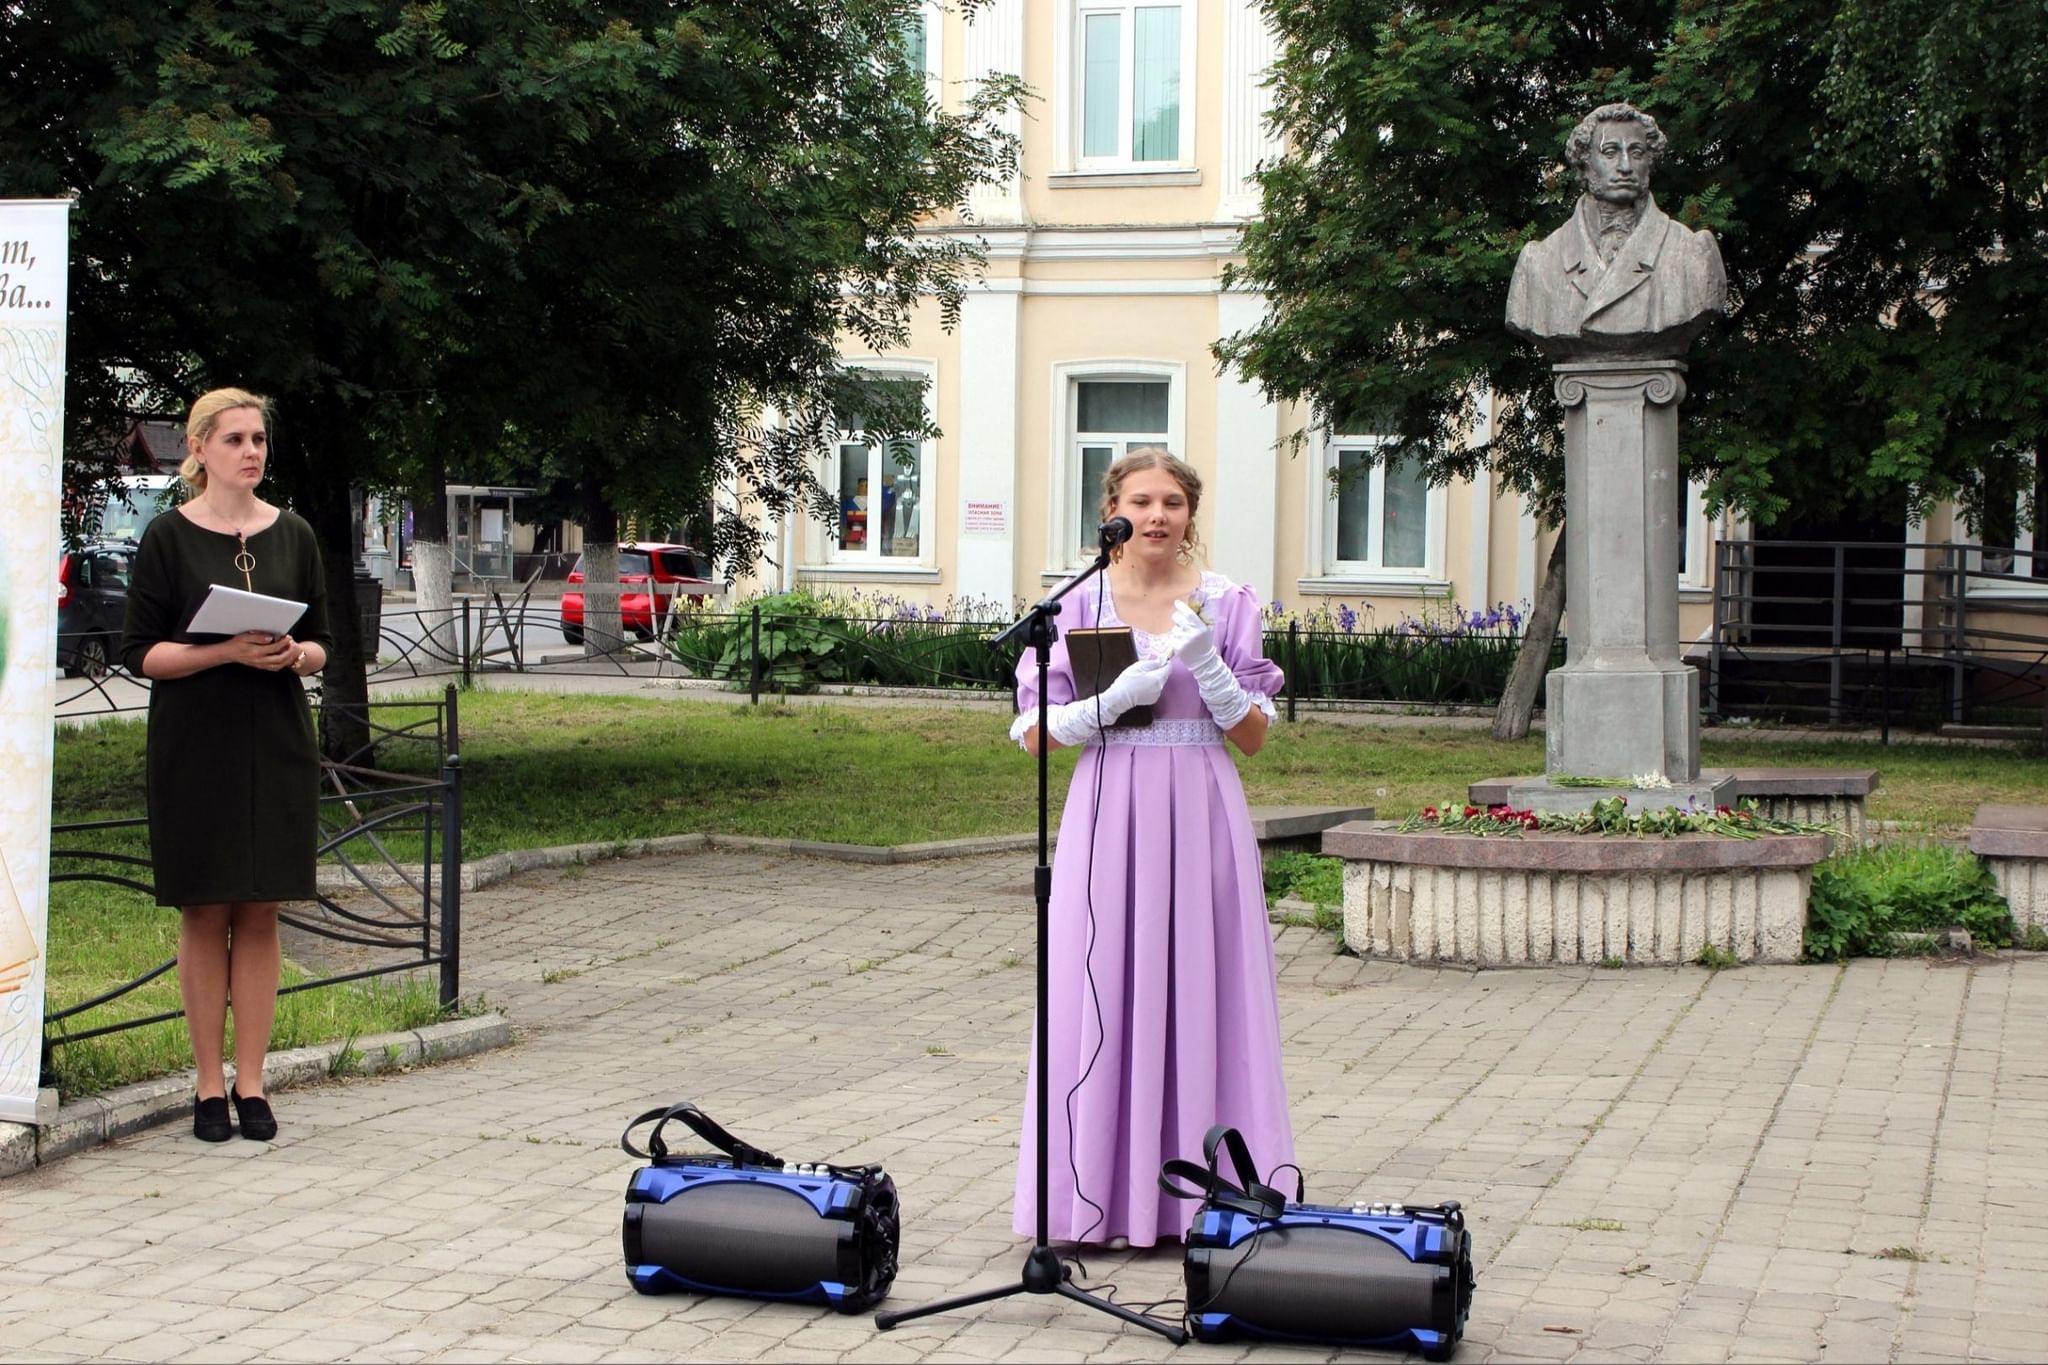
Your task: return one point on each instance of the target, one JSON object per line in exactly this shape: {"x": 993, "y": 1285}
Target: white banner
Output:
{"x": 34, "y": 249}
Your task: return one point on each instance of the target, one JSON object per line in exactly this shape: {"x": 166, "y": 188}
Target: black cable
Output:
{"x": 1088, "y": 954}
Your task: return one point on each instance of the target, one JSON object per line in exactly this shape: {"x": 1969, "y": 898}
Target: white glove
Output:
{"x": 1077, "y": 722}
{"x": 1194, "y": 644}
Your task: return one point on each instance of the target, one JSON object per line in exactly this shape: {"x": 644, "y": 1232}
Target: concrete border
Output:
{"x": 96, "y": 1119}
{"x": 1298, "y": 825}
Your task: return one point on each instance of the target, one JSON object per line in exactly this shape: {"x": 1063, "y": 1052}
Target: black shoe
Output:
{"x": 258, "y": 1123}
{"x": 210, "y": 1119}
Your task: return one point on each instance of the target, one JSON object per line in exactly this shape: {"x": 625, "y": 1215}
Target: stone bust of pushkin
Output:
{"x": 1620, "y": 280}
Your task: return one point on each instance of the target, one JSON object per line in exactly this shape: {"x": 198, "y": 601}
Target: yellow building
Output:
{"x": 1091, "y": 333}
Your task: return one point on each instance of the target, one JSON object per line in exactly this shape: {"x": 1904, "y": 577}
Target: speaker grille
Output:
{"x": 1323, "y": 1282}
{"x": 752, "y": 1238}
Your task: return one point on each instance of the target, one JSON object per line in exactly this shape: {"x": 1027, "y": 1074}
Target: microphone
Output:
{"x": 1115, "y": 532}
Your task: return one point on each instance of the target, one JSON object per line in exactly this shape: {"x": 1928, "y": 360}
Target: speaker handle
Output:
{"x": 1210, "y": 1185}
{"x": 700, "y": 1123}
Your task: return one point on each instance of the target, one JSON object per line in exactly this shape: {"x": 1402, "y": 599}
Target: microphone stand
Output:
{"x": 1044, "y": 1272}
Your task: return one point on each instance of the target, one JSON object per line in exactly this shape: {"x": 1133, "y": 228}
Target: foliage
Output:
{"x": 379, "y": 210}
{"x": 1608, "y": 816}
{"x": 809, "y": 639}
{"x": 1447, "y": 655}
{"x": 1311, "y": 877}
{"x": 1861, "y": 899}
{"x": 1871, "y": 168}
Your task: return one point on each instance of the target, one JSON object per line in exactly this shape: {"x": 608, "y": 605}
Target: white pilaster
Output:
{"x": 1242, "y": 524}
{"x": 1248, "y": 52}
{"x": 1916, "y": 585}
{"x": 995, "y": 45}
{"x": 988, "y": 443}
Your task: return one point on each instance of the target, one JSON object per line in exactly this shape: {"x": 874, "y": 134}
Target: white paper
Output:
{"x": 230, "y": 611}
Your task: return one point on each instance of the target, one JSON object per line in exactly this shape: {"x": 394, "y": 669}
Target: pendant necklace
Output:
{"x": 243, "y": 561}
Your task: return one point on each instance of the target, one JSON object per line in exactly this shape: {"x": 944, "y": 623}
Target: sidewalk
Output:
{"x": 1796, "y": 1163}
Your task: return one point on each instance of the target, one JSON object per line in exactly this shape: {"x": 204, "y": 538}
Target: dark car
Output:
{"x": 92, "y": 600}
{"x": 658, "y": 572}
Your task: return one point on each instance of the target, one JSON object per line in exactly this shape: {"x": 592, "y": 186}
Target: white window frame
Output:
{"x": 1065, "y": 525}
{"x": 1696, "y": 568}
{"x": 1328, "y": 574}
{"x": 1068, "y": 89}
{"x": 826, "y": 557}
{"x": 2023, "y": 542}
{"x": 934, "y": 49}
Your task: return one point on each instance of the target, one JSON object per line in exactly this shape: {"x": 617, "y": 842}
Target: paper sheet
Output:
{"x": 230, "y": 611}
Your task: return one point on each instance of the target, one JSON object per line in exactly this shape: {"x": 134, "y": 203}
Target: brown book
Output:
{"x": 1099, "y": 654}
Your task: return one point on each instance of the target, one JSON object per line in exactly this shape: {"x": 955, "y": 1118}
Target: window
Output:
{"x": 1379, "y": 515}
{"x": 1126, "y": 63}
{"x": 1695, "y": 539}
{"x": 2009, "y": 544}
{"x": 1103, "y": 409}
{"x": 880, "y": 487}
{"x": 1371, "y": 525}
{"x": 922, "y": 33}
{"x": 878, "y": 511}
{"x": 1112, "y": 418}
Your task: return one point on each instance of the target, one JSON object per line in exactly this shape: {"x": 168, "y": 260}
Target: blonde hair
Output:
{"x": 1156, "y": 457}
{"x": 205, "y": 416}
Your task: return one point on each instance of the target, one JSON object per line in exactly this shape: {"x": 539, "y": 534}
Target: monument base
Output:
{"x": 1704, "y": 793}
{"x": 1607, "y": 721}
{"x": 1565, "y": 898}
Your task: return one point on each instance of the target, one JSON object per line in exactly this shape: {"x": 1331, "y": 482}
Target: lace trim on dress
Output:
{"x": 1150, "y": 646}
{"x": 1197, "y": 731}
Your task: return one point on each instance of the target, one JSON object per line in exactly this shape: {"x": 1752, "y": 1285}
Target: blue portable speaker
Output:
{"x": 1257, "y": 1266}
{"x": 745, "y": 1222}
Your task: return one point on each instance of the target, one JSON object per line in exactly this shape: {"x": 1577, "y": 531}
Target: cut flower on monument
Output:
{"x": 1608, "y": 817}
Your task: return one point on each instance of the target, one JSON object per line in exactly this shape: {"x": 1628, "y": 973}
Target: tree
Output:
{"x": 620, "y": 228}
{"x": 1881, "y": 353}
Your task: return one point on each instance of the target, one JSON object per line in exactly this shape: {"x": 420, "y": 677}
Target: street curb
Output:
{"x": 499, "y": 867}
{"x": 96, "y": 1119}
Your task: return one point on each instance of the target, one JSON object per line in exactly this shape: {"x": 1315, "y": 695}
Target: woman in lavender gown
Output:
{"x": 1163, "y": 1018}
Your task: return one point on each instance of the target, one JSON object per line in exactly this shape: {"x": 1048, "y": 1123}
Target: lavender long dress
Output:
{"x": 1188, "y": 1029}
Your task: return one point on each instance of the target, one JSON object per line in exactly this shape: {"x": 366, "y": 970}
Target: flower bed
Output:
{"x": 1607, "y": 816}
{"x": 1446, "y": 656}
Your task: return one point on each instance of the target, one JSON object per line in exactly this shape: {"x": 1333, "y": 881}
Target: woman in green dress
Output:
{"x": 234, "y": 769}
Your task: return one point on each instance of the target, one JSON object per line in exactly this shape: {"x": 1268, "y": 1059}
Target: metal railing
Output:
{"x": 1876, "y": 628}
{"x": 410, "y": 900}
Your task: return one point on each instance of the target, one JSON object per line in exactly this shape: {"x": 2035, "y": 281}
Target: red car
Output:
{"x": 649, "y": 578}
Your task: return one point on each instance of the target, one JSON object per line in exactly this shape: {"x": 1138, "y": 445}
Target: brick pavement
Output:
{"x": 1789, "y": 1163}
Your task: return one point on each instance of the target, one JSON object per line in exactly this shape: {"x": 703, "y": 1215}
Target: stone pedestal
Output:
{"x": 1561, "y": 898}
{"x": 2013, "y": 842}
{"x": 1625, "y": 704}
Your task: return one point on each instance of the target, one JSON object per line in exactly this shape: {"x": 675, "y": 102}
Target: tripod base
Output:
{"x": 1044, "y": 1273}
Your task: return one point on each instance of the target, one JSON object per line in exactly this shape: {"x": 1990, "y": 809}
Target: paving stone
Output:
{"x": 1747, "y": 1130}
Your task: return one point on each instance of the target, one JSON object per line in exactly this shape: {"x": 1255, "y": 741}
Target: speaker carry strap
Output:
{"x": 700, "y": 1123}
{"x": 1213, "y": 1188}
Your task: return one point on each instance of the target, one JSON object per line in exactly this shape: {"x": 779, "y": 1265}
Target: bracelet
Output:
{"x": 298, "y": 659}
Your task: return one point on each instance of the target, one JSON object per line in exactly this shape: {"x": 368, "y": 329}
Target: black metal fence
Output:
{"x": 396, "y": 839}
{"x": 773, "y": 649}
{"x": 1849, "y": 633}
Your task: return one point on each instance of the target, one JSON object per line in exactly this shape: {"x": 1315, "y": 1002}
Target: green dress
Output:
{"x": 234, "y": 769}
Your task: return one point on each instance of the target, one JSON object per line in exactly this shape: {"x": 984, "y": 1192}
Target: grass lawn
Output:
{"x": 549, "y": 769}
